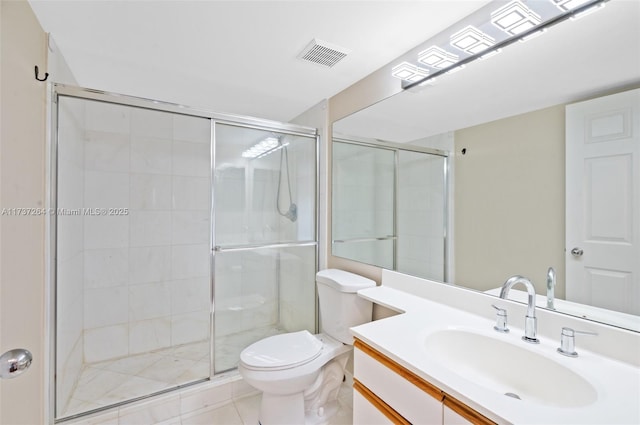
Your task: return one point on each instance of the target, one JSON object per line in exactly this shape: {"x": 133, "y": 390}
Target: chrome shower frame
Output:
{"x": 56, "y": 91}
{"x": 396, "y": 148}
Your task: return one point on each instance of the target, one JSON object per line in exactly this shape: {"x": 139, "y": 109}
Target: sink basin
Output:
{"x": 509, "y": 369}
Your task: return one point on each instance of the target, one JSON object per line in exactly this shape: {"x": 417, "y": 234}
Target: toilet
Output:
{"x": 299, "y": 373}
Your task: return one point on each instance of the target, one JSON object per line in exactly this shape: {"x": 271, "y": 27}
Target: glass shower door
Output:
{"x": 133, "y": 286}
{"x": 389, "y": 206}
{"x": 264, "y": 236}
{"x": 421, "y": 205}
{"x": 363, "y": 204}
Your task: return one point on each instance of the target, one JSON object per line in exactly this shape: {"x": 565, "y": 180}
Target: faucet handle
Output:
{"x": 568, "y": 341}
{"x": 501, "y": 319}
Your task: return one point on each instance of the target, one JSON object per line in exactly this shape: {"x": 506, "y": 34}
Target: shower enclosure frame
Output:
{"x": 396, "y": 148}
{"x": 57, "y": 90}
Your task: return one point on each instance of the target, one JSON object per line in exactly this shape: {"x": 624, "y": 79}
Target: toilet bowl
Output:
{"x": 283, "y": 384}
{"x": 300, "y": 374}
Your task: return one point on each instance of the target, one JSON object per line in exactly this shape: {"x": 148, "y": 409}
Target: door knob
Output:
{"x": 577, "y": 252}
{"x": 15, "y": 362}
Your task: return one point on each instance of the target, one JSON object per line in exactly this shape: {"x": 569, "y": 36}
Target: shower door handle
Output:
{"x": 252, "y": 247}
{"x": 14, "y": 363}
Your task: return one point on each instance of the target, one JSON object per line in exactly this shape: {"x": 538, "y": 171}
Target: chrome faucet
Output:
{"x": 530, "y": 321}
{"x": 501, "y": 319}
{"x": 551, "y": 286}
{"x": 568, "y": 341}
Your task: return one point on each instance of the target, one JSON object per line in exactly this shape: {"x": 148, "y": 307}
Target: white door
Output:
{"x": 603, "y": 202}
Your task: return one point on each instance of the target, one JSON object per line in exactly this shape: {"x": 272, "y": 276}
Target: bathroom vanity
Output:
{"x": 443, "y": 363}
{"x": 386, "y": 392}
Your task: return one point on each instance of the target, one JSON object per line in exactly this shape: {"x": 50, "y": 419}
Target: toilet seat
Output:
{"x": 284, "y": 351}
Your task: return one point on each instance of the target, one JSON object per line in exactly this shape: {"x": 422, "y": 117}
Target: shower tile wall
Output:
{"x": 298, "y": 266}
{"x": 146, "y": 273}
{"x": 247, "y": 296}
{"x": 364, "y": 202}
{"x": 261, "y": 291}
{"x": 137, "y": 279}
{"x": 303, "y": 168}
{"x": 255, "y": 294}
{"x": 420, "y": 215}
{"x": 421, "y": 209}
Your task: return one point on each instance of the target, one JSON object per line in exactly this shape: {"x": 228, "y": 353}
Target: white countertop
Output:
{"x": 402, "y": 338}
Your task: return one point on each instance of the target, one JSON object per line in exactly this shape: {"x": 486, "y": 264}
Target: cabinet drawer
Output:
{"x": 413, "y": 398}
{"x": 457, "y": 413}
{"x": 365, "y": 412}
{"x": 450, "y": 417}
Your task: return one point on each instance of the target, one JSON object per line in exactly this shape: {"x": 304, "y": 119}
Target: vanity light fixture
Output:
{"x": 520, "y": 21}
{"x": 566, "y": 5}
{"x": 437, "y": 57}
{"x": 259, "y": 149}
{"x": 491, "y": 53}
{"x": 471, "y": 40}
{"x": 515, "y": 18}
{"x": 533, "y": 35}
{"x": 455, "y": 69}
{"x": 587, "y": 11}
{"x": 409, "y": 72}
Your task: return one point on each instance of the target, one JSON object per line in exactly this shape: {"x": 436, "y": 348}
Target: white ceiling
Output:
{"x": 236, "y": 56}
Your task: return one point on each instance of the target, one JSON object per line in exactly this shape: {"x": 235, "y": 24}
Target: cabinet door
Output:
{"x": 365, "y": 413}
{"x": 410, "y": 396}
{"x": 457, "y": 413}
{"x": 449, "y": 417}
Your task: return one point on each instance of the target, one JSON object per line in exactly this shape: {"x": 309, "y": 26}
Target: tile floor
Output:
{"x": 244, "y": 411}
{"x": 109, "y": 382}
{"x": 114, "y": 381}
{"x": 206, "y": 405}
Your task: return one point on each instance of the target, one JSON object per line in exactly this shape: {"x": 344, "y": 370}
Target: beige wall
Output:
{"x": 509, "y": 198}
{"x": 319, "y": 117}
{"x": 373, "y": 88}
{"x": 22, "y": 185}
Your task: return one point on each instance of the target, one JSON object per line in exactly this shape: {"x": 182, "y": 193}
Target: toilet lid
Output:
{"x": 282, "y": 351}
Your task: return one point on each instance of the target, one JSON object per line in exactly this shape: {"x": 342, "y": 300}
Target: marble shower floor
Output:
{"x": 114, "y": 381}
{"x": 106, "y": 383}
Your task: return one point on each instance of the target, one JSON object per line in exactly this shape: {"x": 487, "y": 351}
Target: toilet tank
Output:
{"x": 340, "y": 305}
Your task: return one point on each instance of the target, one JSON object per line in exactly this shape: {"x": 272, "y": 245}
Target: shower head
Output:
{"x": 292, "y": 214}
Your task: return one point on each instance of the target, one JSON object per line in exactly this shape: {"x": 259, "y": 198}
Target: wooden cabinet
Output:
{"x": 368, "y": 409}
{"x": 387, "y": 393}
{"x": 451, "y": 417}
{"x": 456, "y": 412}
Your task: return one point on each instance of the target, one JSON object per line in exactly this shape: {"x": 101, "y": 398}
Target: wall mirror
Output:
{"x": 503, "y": 122}
{"x": 388, "y": 206}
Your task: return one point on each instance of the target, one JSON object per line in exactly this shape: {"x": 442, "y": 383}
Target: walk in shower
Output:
{"x": 179, "y": 237}
{"x": 389, "y": 206}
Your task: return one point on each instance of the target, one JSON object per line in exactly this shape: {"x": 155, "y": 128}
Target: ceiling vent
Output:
{"x": 323, "y": 53}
